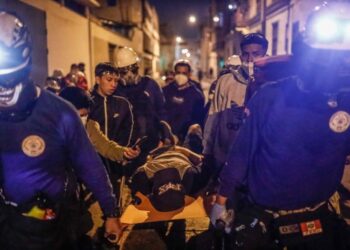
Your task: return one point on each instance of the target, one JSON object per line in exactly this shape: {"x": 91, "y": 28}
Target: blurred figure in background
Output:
{"x": 52, "y": 85}
{"x": 184, "y": 101}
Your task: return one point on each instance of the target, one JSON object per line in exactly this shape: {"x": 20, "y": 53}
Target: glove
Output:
{"x": 221, "y": 218}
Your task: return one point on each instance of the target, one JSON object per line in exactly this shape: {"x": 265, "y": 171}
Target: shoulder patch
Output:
{"x": 339, "y": 121}
{"x": 33, "y": 145}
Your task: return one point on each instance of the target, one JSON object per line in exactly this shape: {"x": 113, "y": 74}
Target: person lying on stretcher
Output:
{"x": 170, "y": 173}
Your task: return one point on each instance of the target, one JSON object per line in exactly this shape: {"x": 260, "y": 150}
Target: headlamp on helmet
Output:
{"x": 329, "y": 27}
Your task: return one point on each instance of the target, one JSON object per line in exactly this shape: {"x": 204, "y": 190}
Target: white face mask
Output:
{"x": 9, "y": 96}
{"x": 84, "y": 119}
{"x": 181, "y": 79}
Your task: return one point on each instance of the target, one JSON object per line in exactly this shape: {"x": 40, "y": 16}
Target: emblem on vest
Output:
{"x": 33, "y": 146}
{"x": 339, "y": 122}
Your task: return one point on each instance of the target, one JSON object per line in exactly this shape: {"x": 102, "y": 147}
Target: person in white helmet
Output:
{"x": 145, "y": 96}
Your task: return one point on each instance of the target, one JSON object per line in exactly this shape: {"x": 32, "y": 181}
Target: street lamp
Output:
{"x": 178, "y": 39}
{"x": 216, "y": 19}
{"x": 192, "y": 19}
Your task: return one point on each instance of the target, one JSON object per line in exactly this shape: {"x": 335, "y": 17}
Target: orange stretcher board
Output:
{"x": 145, "y": 212}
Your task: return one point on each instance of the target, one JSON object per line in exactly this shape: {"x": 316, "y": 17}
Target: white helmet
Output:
{"x": 126, "y": 56}
{"x": 233, "y": 60}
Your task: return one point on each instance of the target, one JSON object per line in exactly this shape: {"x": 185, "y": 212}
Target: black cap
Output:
{"x": 168, "y": 192}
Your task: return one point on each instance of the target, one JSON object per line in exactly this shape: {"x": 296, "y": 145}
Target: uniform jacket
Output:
{"x": 35, "y": 154}
{"x": 291, "y": 151}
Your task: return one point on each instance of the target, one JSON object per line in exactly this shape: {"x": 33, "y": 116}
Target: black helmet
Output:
{"x": 322, "y": 51}
{"x": 15, "y": 50}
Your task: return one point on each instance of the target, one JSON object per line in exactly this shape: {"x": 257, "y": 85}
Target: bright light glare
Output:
{"x": 188, "y": 54}
{"x": 326, "y": 29}
{"x": 184, "y": 51}
{"x": 192, "y": 19}
{"x": 3, "y": 55}
{"x": 230, "y": 7}
{"x": 216, "y": 19}
{"x": 178, "y": 39}
{"x": 347, "y": 31}
{"x": 163, "y": 78}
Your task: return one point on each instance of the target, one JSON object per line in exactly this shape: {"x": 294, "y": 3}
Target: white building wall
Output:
{"x": 69, "y": 41}
{"x": 282, "y": 19}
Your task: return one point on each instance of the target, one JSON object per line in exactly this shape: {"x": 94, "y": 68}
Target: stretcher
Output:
{"x": 145, "y": 212}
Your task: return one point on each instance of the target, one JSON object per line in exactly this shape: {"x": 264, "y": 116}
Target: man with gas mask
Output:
{"x": 43, "y": 149}
{"x": 289, "y": 155}
{"x": 184, "y": 102}
{"x": 226, "y": 110}
{"x": 145, "y": 96}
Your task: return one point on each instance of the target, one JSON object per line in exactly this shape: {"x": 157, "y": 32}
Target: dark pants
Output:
{"x": 18, "y": 232}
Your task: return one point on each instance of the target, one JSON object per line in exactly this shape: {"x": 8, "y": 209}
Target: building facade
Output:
{"x": 88, "y": 31}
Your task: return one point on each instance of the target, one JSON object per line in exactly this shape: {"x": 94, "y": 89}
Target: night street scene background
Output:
{"x": 185, "y": 48}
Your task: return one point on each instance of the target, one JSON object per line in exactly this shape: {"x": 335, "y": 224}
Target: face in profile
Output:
{"x": 107, "y": 83}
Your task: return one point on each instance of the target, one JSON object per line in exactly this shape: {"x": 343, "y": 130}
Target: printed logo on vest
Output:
{"x": 339, "y": 122}
{"x": 311, "y": 227}
{"x": 33, "y": 146}
{"x": 289, "y": 229}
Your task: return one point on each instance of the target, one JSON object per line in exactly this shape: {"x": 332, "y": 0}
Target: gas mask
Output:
{"x": 181, "y": 79}
{"x": 129, "y": 75}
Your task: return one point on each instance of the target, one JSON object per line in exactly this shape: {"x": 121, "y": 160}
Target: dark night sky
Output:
{"x": 176, "y": 13}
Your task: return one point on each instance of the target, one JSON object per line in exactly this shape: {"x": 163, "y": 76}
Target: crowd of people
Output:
{"x": 267, "y": 152}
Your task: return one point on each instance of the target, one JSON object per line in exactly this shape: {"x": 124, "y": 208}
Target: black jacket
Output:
{"x": 114, "y": 115}
{"x": 147, "y": 100}
{"x": 184, "y": 107}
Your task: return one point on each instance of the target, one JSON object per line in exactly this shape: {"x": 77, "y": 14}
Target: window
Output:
{"x": 111, "y": 52}
{"x": 295, "y": 30}
{"x": 258, "y": 7}
{"x": 274, "y": 38}
{"x": 73, "y": 5}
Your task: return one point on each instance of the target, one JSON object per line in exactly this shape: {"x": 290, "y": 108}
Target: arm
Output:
{"x": 213, "y": 119}
{"x": 198, "y": 111}
{"x": 105, "y": 147}
{"x": 86, "y": 163}
{"x": 159, "y": 101}
{"x": 192, "y": 156}
{"x": 235, "y": 171}
{"x": 128, "y": 122}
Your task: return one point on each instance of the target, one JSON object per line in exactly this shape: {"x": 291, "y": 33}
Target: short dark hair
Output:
{"x": 183, "y": 64}
{"x": 254, "y": 38}
{"x": 105, "y": 67}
